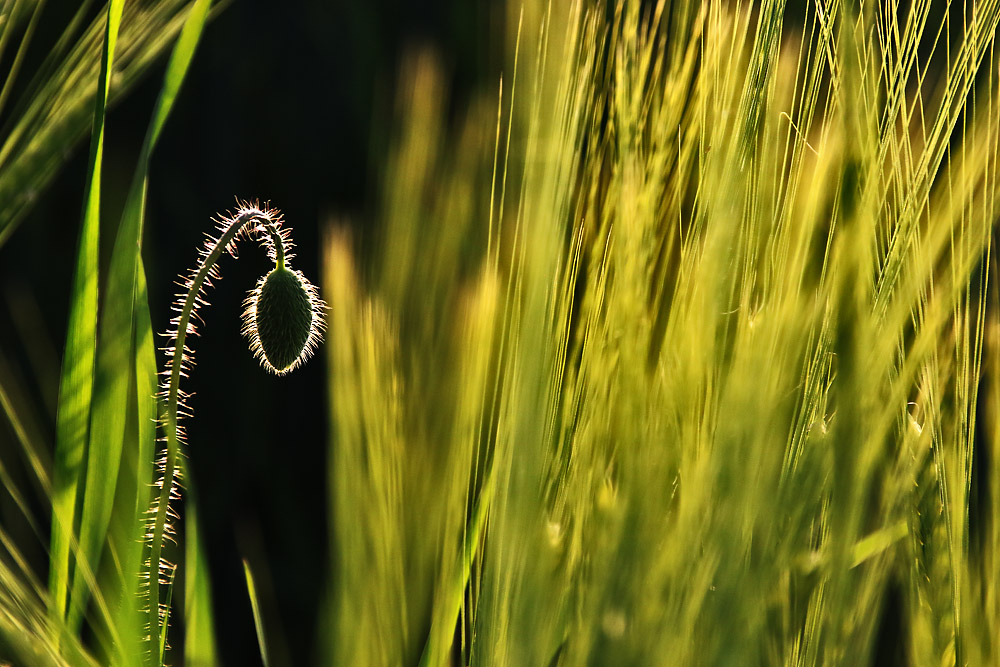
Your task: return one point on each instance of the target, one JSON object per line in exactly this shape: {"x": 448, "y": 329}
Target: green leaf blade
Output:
{"x": 258, "y": 620}
{"x": 76, "y": 383}
{"x": 199, "y": 640}
{"x": 118, "y": 357}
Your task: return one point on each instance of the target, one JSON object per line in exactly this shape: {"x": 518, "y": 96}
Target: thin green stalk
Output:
{"x": 180, "y": 356}
{"x": 273, "y": 318}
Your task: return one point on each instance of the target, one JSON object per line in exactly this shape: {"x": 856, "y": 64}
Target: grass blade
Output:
{"x": 54, "y": 112}
{"x": 76, "y": 384}
{"x": 258, "y": 621}
{"x": 21, "y": 51}
{"x": 117, "y": 355}
{"x": 133, "y": 495}
{"x": 199, "y": 639}
{"x": 180, "y": 60}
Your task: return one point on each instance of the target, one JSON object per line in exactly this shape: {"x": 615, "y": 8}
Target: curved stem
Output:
{"x": 170, "y": 412}
{"x": 279, "y": 244}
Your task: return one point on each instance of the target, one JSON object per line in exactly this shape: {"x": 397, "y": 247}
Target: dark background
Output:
{"x": 287, "y": 102}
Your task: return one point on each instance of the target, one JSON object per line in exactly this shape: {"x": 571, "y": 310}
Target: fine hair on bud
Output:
{"x": 283, "y": 320}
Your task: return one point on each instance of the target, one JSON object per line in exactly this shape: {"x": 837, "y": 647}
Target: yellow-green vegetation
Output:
{"x": 682, "y": 349}
{"x": 700, "y": 369}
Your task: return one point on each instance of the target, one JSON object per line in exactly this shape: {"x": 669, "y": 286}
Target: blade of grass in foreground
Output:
{"x": 76, "y": 384}
{"x": 199, "y": 637}
{"x": 133, "y": 495}
{"x": 177, "y": 68}
{"x": 53, "y": 112}
{"x": 22, "y": 49}
{"x": 257, "y": 619}
{"x": 118, "y": 359}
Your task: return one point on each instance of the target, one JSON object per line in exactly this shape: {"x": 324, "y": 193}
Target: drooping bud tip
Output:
{"x": 283, "y": 320}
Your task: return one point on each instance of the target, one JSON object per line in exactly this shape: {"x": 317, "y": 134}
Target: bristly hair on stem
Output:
{"x": 275, "y": 329}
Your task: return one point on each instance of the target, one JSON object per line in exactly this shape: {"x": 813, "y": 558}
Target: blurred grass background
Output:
{"x": 700, "y": 371}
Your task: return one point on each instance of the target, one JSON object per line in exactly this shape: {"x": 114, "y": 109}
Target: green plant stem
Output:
{"x": 170, "y": 413}
{"x": 279, "y": 246}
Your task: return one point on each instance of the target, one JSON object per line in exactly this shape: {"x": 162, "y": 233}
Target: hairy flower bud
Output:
{"x": 283, "y": 319}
